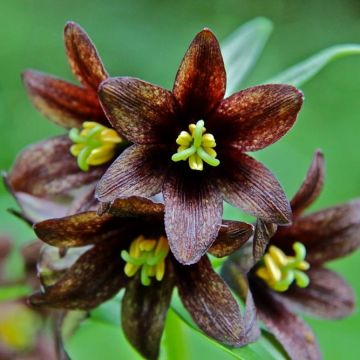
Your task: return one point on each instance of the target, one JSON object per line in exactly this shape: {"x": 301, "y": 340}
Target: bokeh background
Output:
{"x": 147, "y": 39}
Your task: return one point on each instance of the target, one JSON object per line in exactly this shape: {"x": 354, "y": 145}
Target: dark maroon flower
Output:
{"x": 130, "y": 249}
{"x": 167, "y": 127}
{"x": 282, "y": 283}
{"x": 48, "y": 168}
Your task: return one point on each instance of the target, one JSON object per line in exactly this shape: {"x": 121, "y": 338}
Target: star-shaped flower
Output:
{"x": 190, "y": 143}
{"x": 130, "y": 250}
{"x": 291, "y": 276}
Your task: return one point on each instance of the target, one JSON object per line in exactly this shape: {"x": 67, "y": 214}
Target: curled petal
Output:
{"x": 81, "y": 229}
{"x": 248, "y": 185}
{"x": 232, "y": 235}
{"x": 293, "y": 333}
{"x": 210, "y": 302}
{"x": 200, "y": 82}
{"x": 65, "y": 104}
{"x": 142, "y": 112}
{"x": 327, "y": 296}
{"x": 138, "y": 171}
{"x": 327, "y": 234}
{"x": 193, "y": 211}
{"x": 83, "y": 57}
{"x": 48, "y": 168}
{"x": 136, "y": 206}
{"x": 254, "y": 118}
{"x": 144, "y": 311}
{"x": 311, "y": 187}
{"x": 95, "y": 277}
{"x": 264, "y": 231}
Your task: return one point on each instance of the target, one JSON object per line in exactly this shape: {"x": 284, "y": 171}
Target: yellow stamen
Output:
{"x": 147, "y": 256}
{"x": 94, "y": 145}
{"x": 279, "y": 271}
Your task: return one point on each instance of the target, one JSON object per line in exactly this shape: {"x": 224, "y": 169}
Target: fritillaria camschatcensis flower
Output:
{"x": 291, "y": 275}
{"x": 130, "y": 250}
{"x": 190, "y": 144}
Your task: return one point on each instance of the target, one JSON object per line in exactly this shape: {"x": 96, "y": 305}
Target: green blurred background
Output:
{"x": 147, "y": 39}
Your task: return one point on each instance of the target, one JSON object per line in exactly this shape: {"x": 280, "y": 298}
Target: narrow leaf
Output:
{"x": 299, "y": 74}
{"x": 242, "y": 48}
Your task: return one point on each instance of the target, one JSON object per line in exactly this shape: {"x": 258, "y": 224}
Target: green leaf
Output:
{"x": 14, "y": 292}
{"x": 300, "y": 73}
{"x": 242, "y": 48}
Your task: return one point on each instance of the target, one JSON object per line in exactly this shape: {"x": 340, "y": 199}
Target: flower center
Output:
{"x": 148, "y": 256}
{"x": 196, "y": 146}
{"x": 94, "y": 145}
{"x": 279, "y": 271}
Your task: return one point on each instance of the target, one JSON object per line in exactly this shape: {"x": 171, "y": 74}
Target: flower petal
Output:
{"x": 327, "y": 296}
{"x": 293, "y": 333}
{"x": 193, "y": 212}
{"x": 138, "y": 171}
{"x": 136, "y": 206}
{"x": 250, "y": 186}
{"x": 232, "y": 235}
{"x": 96, "y": 277}
{"x": 327, "y": 234}
{"x": 210, "y": 302}
{"x": 47, "y": 168}
{"x": 312, "y": 185}
{"x": 63, "y": 103}
{"x": 83, "y": 229}
{"x": 254, "y": 118}
{"x": 83, "y": 57}
{"x": 264, "y": 231}
{"x": 200, "y": 82}
{"x": 144, "y": 310}
{"x": 144, "y": 113}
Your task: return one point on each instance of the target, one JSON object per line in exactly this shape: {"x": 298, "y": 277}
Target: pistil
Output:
{"x": 197, "y": 147}
{"x": 147, "y": 256}
{"x": 279, "y": 271}
{"x": 94, "y": 145}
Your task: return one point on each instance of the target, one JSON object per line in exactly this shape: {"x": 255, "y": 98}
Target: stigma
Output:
{"x": 147, "y": 256}
{"x": 279, "y": 271}
{"x": 197, "y": 147}
{"x": 94, "y": 145}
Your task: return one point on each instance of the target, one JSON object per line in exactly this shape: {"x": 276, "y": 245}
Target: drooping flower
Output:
{"x": 291, "y": 275}
{"x": 190, "y": 144}
{"x": 61, "y": 164}
{"x": 130, "y": 250}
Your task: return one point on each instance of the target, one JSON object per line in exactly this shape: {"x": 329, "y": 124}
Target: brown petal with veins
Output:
{"x": 293, "y": 333}
{"x": 200, "y": 82}
{"x": 66, "y": 104}
{"x": 232, "y": 235}
{"x": 311, "y": 187}
{"x": 250, "y": 186}
{"x": 82, "y": 229}
{"x": 193, "y": 214}
{"x": 47, "y": 168}
{"x": 144, "y": 113}
{"x": 255, "y": 118}
{"x": 327, "y": 234}
{"x": 138, "y": 171}
{"x": 83, "y": 57}
{"x": 96, "y": 277}
{"x": 264, "y": 231}
{"x": 143, "y": 313}
{"x": 136, "y": 206}
{"x": 210, "y": 302}
{"x": 327, "y": 296}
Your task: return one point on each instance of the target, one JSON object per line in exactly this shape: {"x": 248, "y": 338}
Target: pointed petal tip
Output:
{"x": 71, "y": 27}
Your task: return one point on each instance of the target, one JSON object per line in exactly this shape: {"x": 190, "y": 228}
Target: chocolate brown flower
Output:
{"x": 291, "y": 275}
{"x": 130, "y": 250}
{"x": 50, "y": 168}
{"x": 190, "y": 143}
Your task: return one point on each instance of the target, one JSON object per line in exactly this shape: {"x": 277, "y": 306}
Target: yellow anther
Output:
{"x": 147, "y": 256}
{"x": 196, "y": 146}
{"x": 279, "y": 271}
{"x": 94, "y": 145}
